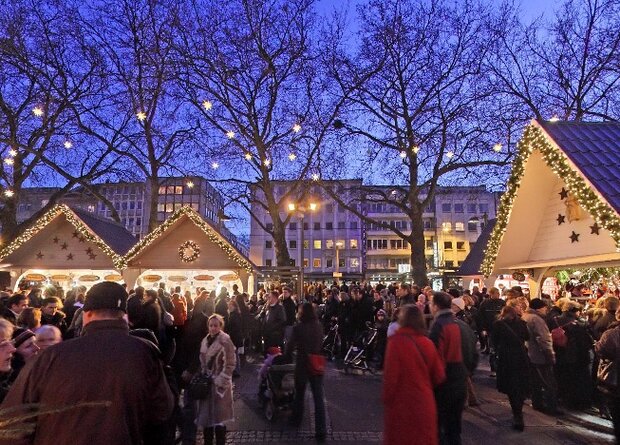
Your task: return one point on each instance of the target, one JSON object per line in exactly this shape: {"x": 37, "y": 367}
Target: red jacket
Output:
{"x": 412, "y": 370}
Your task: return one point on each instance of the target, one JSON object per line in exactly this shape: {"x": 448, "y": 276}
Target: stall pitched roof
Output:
{"x": 594, "y": 148}
{"x": 472, "y": 264}
{"x": 212, "y": 233}
{"x": 582, "y": 154}
{"x": 109, "y": 236}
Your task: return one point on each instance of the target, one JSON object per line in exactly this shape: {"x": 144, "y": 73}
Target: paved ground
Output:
{"x": 355, "y": 416}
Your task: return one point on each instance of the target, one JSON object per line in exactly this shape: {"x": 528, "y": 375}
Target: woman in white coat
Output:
{"x": 217, "y": 357}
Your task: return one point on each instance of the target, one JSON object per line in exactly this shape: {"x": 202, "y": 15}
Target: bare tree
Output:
{"x": 49, "y": 74}
{"x": 141, "y": 117}
{"x": 421, "y": 117}
{"x": 568, "y": 66}
{"x": 253, "y": 73}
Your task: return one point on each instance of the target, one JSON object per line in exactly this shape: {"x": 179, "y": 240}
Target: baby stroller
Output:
{"x": 277, "y": 390}
{"x": 331, "y": 342}
{"x": 359, "y": 354}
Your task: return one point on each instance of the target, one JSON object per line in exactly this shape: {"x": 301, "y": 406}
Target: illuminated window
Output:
{"x": 316, "y": 263}
{"x": 329, "y": 244}
{"x": 353, "y": 243}
{"x": 317, "y": 244}
{"x": 459, "y": 226}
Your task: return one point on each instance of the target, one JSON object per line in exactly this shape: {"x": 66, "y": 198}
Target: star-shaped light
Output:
{"x": 267, "y": 162}
{"x": 215, "y": 165}
{"x": 37, "y": 111}
{"x": 292, "y": 157}
{"x": 9, "y": 193}
{"x": 450, "y": 154}
{"x": 564, "y": 193}
{"x": 497, "y": 147}
{"x": 141, "y": 115}
{"x": 315, "y": 177}
{"x": 416, "y": 149}
{"x": 12, "y": 152}
{"x": 296, "y": 128}
{"x": 190, "y": 185}
{"x": 9, "y": 161}
{"x": 403, "y": 154}
{"x": 561, "y": 219}
{"x": 594, "y": 229}
{"x": 230, "y": 134}
{"x": 574, "y": 238}
{"x": 207, "y": 104}
{"x": 248, "y": 156}
{"x": 68, "y": 144}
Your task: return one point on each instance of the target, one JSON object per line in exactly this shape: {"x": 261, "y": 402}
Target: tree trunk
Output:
{"x": 154, "y": 200}
{"x": 417, "y": 245}
{"x": 283, "y": 257}
{"x": 8, "y": 219}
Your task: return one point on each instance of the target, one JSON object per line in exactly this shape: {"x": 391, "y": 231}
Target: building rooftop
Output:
{"x": 594, "y": 148}
{"x": 473, "y": 261}
{"x": 112, "y": 233}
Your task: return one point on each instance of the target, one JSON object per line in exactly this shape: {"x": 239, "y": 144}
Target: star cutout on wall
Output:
{"x": 81, "y": 239}
{"x": 89, "y": 250}
{"x": 563, "y": 193}
{"x": 595, "y": 229}
{"x": 92, "y": 256}
{"x": 39, "y": 255}
{"x": 75, "y": 234}
{"x": 70, "y": 257}
{"x": 64, "y": 246}
{"x": 56, "y": 240}
{"x": 574, "y": 238}
{"x": 561, "y": 219}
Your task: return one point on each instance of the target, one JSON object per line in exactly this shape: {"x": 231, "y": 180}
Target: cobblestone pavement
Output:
{"x": 355, "y": 416}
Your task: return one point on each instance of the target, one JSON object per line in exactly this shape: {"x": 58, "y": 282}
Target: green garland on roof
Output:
{"x": 535, "y": 139}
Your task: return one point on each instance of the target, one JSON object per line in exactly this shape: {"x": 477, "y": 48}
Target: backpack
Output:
{"x": 179, "y": 311}
{"x": 558, "y": 335}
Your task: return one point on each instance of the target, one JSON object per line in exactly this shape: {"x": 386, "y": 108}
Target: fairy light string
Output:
{"x": 535, "y": 139}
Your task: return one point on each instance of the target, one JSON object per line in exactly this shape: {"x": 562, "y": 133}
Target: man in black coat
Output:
{"x": 274, "y": 321}
{"x": 14, "y": 306}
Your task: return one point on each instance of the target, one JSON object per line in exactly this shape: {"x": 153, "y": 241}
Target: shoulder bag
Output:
{"x": 316, "y": 364}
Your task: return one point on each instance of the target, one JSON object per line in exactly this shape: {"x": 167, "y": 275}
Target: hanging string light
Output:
{"x": 141, "y": 115}
{"x": 403, "y": 154}
{"x": 296, "y": 128}
{"x": 214, "y": 165}
{"x": 9, "y": 193}
{"x": 190, "y": 184}
{"x": 37, "y": 111}
{"x": 315, "y": 177}
{"x": 68, "y": 144}
{"x": 9, "y": 161}
{"x": 450, "y": 154}
{"x": 267, "y": 162}
{"x": 497, "y": 147}
{"x": 12, "y": 152}
{"x": 248, "y": 156}
{"x": 416, "y": 149}
{"x": 555, "y": 118}
{"x": 230, "y": 134}
{"x": 292, "y": 157}
{"x": 207, "y": 104}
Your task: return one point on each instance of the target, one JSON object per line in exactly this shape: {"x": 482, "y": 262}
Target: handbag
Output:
{"x": 558, "y": 335}
{"x": 168, "y": 318}
{"x": 316, "y": 364}
{"x": 607, "y": 377}
{"x": 199, "y": 387}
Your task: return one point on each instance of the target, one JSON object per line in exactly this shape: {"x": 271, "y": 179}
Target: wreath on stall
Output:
{"x": 189, "y": 251}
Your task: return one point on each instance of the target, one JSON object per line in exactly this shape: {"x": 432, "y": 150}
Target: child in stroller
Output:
{"x": 277, "y": 383}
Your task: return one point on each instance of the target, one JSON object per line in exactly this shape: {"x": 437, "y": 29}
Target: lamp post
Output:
{"x": 302, "y": 209}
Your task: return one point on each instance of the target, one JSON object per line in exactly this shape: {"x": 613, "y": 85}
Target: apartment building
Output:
{"x": 452, "y": 224}
{"x": 331, "y": 235}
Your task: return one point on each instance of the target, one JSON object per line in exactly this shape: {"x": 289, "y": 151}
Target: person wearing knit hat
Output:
{"x": 26, "y": 347}
{"x": 537, "y": 303}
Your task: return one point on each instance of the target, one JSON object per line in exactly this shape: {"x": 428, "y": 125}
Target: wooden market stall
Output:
{"x": 188, "y": 251}
{"x": 67, "y": 247}
{"x": 561, "y": 207}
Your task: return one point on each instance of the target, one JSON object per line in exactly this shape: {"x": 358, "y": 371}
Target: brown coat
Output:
{"x": 104, "y": 364}
{"x": 218, "y": 408}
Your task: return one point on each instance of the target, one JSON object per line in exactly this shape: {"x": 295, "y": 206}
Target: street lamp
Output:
{"x": 302, "y": 209}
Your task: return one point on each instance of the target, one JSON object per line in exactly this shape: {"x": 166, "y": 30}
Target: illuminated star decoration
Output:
{"x": 594, "y": 229}
{"x": 561, "y": 219}
{"x": 563, "y": 193}
{"x": 64, "y": 246}
{"x": 75, "y": 234}
{"x": 39, "y": 255}
{"x": 70, "y": 257}
{"x": 574, "y": 238}
{"x": 56, "y": 240}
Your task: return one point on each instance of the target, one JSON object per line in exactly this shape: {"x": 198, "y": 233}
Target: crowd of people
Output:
{"x": 136, "y": 352}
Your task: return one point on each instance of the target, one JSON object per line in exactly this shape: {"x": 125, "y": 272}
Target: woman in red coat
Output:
{"x": 412, "y": 370}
